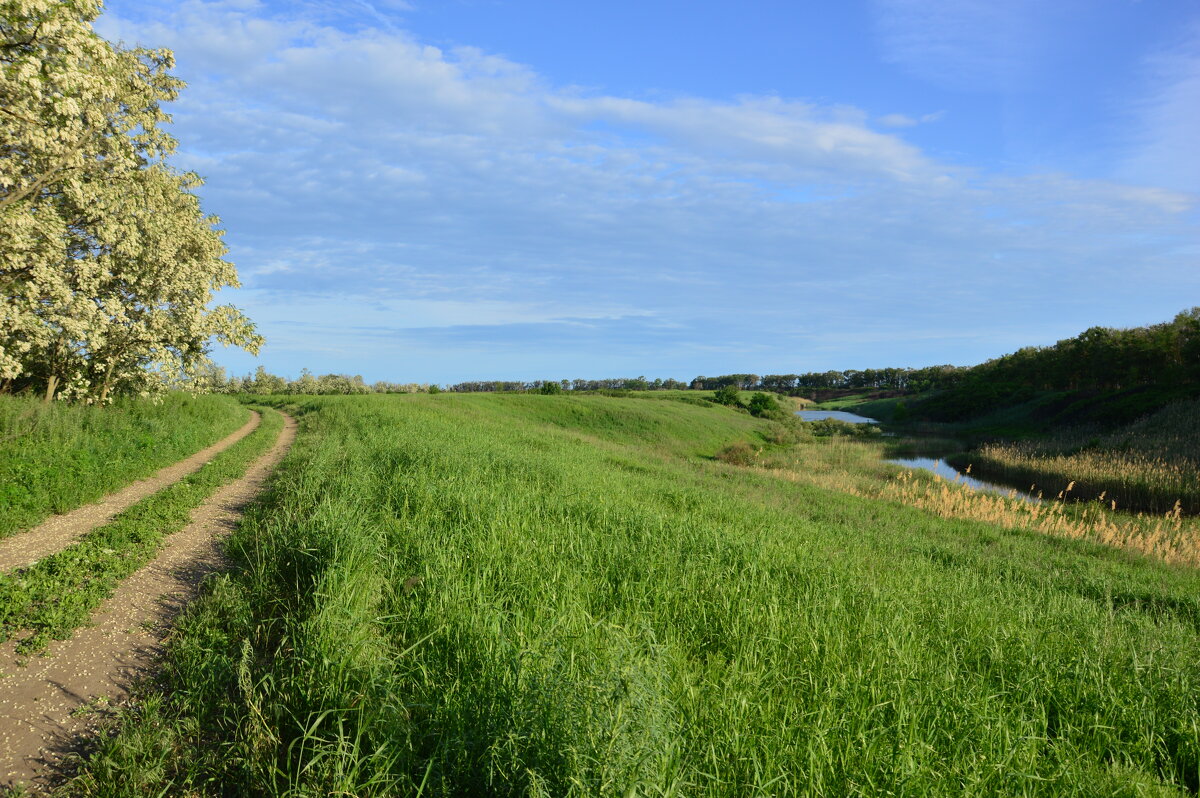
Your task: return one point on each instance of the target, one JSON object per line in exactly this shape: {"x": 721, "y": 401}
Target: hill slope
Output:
{"x": 527, "y": 595}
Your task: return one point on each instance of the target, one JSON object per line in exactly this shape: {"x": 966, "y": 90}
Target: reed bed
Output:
{"x": 1153, "y": 465}
{"x": 854, "y": 467}
{"x": 1168, "y": 537}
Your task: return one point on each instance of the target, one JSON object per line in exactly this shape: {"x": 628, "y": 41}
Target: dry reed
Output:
{"x": 853, "y": 467}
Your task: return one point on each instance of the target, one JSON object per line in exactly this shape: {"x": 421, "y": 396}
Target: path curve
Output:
{"x": 57, "y": 532}
{"x": 40, "y": 720}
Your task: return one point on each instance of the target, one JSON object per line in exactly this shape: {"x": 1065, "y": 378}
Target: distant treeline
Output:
{"x": 261, "y": 382}
{"x": 888, "y": 379}
{"x": 614, "y": 384}
{"x": 1104, "y": 358}
{"x": 869, "y": 379}
{"x": 1101, "y": 358}
{"x": 1149, "y": 366}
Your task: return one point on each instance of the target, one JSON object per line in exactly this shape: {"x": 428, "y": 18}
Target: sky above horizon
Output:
{"x": 523, "y": 189}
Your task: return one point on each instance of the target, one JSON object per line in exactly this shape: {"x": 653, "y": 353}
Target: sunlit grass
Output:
{"x": 56, "y": 595}
{"x": 516, "y": 595}
{"x": 57, "y": 457}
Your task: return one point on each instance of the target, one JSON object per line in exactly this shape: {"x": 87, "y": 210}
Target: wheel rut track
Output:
{"x": 41, "y": 697}
{"x": 57, "y": 532}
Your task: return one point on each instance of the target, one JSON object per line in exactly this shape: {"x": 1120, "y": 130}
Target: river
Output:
{"x": 934, "y": 465}
{"x": 836, "y": 415}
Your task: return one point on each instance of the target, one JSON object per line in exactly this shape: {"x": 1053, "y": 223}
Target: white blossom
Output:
{"x": 107, "y": 263}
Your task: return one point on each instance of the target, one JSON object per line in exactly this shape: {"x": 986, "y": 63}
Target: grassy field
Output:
{"x": 546, "y": 596}
{"x": 57, "y": 457}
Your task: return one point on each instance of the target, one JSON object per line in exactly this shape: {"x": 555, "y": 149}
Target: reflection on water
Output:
{"x": 836, "y": 415}
{"x": 933, "y": 465}
{"x": 949, "y": 472}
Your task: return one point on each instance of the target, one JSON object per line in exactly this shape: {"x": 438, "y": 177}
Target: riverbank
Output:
{"x": 1151, "y": 465}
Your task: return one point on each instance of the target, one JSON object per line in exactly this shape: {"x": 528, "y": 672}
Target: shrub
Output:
{"x": 740, "y": 453}
{"x": 727, "y": 395}
{"x": 763, "y": 405}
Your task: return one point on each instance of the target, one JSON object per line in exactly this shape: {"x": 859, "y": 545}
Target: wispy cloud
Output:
{"x": 903, "y": 120}
{"x": 1167, "y": 118}
{"x": 418, "y": 208}
{"x": 978, "y": 45}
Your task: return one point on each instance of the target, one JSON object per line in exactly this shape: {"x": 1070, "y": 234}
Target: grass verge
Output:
{"x": 55, "y": 458}
{"x": 56, "y": 595}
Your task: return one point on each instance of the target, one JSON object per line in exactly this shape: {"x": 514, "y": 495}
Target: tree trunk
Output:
{"x": 51, "y": 385}
{"x": 107, "y": 384}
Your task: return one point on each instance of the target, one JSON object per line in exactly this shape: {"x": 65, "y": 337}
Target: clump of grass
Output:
{"x": 57, "y": 457}
{"x": 57, "y": 594}
{"x": 739, "y": 453}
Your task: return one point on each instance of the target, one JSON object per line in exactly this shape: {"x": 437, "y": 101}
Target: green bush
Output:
{"x": 763, "y": 405}
{"x": 728, "y": 395}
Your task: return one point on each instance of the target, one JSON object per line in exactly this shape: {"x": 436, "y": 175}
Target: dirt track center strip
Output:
{"x": 55, "y": 533}
{"x": 39, "y": 705}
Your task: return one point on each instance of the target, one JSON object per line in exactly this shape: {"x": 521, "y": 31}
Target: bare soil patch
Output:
{"x": 49, "y": 702}
{"x": 59, "y": 531}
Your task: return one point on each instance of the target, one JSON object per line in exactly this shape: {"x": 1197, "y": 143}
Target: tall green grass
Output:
{"x": 57, "y": 457}
{"x": 519, "y": 595}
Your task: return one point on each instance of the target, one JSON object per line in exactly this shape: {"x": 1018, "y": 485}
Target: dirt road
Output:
{"x": 41, "y": 699}
{"x": 59, "y": 531}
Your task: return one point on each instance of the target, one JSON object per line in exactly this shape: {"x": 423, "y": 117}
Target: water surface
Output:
{"x": 952, "y": 474}
{"x": 933, "y": 465}
{"x": 837, "y": 415}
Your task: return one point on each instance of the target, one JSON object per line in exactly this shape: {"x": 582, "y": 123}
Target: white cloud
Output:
{"x": 903, "y": 120}
{"x": 398, "y": 314}
{"x": 368, "y": 180}
{"x": 796, "y": 135}
{"x": 378, "y": 78}
{"x": 898, "y": 120}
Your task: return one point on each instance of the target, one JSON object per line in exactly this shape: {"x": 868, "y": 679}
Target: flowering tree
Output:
{"x": 107, "y": 264}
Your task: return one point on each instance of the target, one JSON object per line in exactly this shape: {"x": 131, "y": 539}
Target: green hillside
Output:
{"x": 544, "y": 595}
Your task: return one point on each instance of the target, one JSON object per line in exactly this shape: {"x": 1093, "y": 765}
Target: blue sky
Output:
{"x": 520, "y": 189}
